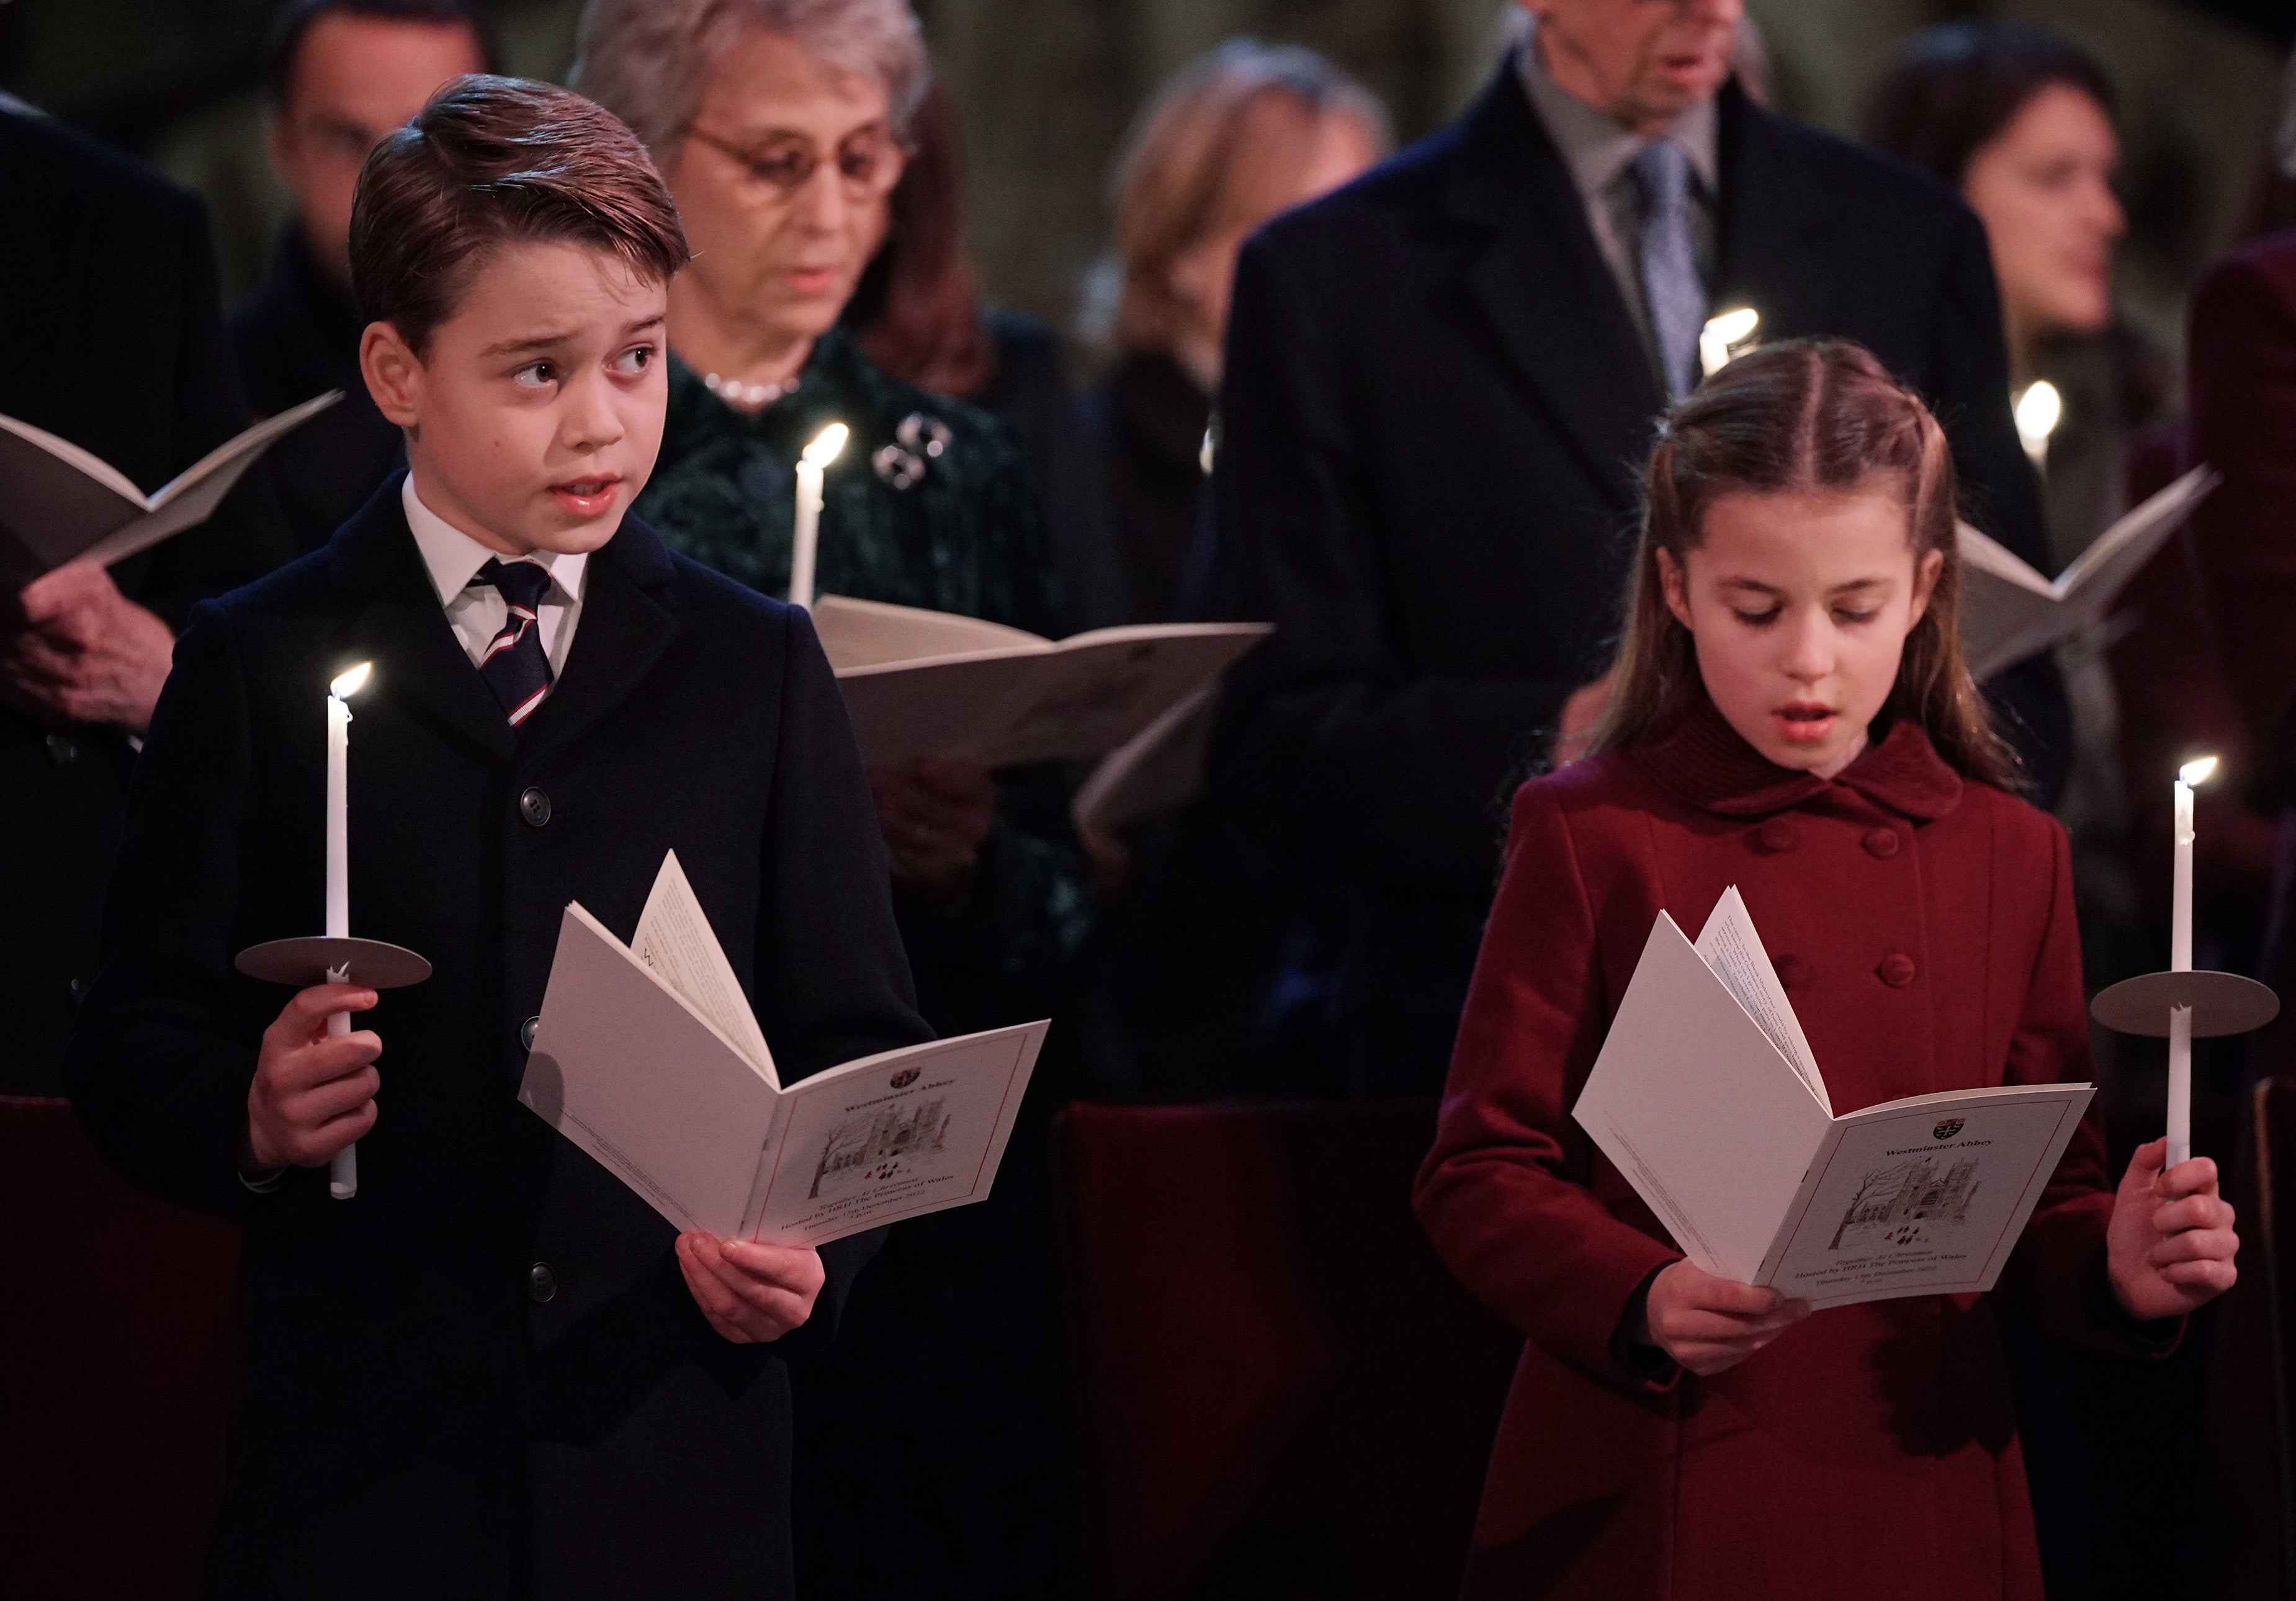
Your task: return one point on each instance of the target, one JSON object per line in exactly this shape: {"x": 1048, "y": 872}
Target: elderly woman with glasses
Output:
{"x": 781, "y": 126}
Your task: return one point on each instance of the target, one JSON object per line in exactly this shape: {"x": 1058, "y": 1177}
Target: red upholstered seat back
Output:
{"x": 1284, "y": 1393}
{"x": 115, "y": 1339}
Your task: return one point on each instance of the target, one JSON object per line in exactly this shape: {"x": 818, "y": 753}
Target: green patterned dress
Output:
{"x": 927, "y": 506}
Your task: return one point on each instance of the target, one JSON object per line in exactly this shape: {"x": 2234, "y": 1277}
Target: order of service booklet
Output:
{"x": 1706, "y": 1098}
{"x": 58, "y": 503}
{"x": 921, "y": 683}
{"x": 2009, "y": 612}
{"x": 650, "y": 1059}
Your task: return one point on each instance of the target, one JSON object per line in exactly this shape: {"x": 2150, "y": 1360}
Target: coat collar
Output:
{"x": 1698, "y": 758}
{"x": 624, "y": 627}
{"x": 1536, "y": 276}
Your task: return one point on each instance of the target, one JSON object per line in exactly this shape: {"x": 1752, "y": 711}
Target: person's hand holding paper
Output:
{"x": 752, "y": 1293}
{"x": 75, "y": 650}
{"x": 935, "y": 812}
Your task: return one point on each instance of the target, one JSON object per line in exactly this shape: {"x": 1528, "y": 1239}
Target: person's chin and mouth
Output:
{"x": 1806, "y": 732}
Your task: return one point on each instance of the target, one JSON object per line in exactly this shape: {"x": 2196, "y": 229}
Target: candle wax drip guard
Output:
{"x": 2222, "y": 1003}
{"x": 375, "y": 963}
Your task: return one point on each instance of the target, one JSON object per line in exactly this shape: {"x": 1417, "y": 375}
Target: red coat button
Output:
{"x": 1882, "y": 842}
{"x": 1777, "y": 835}
{"x": 1897, "y": 970}
{"x": 1792, "y": 971}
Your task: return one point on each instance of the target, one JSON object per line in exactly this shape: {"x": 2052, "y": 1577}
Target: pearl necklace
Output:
{"x": 748, "y": 396}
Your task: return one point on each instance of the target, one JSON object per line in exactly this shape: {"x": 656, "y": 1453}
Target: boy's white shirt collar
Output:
{"x": 454, "y": 558}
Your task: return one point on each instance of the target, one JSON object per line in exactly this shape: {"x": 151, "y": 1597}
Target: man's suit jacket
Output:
{"x": 115, "y": 344}
{"x": 415, "y": 1415}
{"x": 1434, "y": 415}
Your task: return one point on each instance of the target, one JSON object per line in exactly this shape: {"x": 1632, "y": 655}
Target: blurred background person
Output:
{"x": 921, "y": 318}
{"x": 1180, "y": 1003}
{"x": 118, "y": 348}
{"x": 1241, "y": 134}
{"x": 1435, "y": 380}
{"x": 339, "y": 75}
{"x": 783, "y": 128}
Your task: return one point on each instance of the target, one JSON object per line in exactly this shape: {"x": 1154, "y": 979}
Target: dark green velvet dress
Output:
{"x": 932, "y": 1438}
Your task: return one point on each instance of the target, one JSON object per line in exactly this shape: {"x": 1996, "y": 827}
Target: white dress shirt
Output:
{"x": 477, "y": 612}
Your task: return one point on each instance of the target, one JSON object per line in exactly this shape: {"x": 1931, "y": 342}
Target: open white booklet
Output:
{"x": 648, "y": 1058}
{"x": 1706, "y": 1098}
{"x": 58, "y": 503}
{"x": 921, "y": 683}
{"x": 2009, "y": 612}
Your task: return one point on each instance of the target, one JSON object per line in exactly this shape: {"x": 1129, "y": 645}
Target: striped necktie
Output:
{"x": 1671, "y": 292}
{"x": 515, "y": 666}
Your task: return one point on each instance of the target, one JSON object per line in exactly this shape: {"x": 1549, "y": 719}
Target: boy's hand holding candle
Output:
{"x": 2170, "y": 1247}
{"x": 313, "y": 1092}
{"x": 751, "y": 1292}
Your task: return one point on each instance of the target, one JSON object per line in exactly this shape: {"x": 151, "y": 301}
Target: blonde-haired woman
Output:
{"x": 1239, "y": 135}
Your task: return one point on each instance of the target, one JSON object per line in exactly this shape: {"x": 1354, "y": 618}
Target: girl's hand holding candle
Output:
{"x": 2171, "y": 1245}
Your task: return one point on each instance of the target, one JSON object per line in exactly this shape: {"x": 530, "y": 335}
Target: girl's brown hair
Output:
{"x": 1796, "y": 416}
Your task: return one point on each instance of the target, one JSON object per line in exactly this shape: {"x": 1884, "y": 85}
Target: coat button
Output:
{"x": 80, "y": 989}
{"x": 1777, "y": 835}
{"x": 526, "y": 1033}
{"x": 534, "y": 806}
{"x": 1791, "y": 970}
{"x": 541, "y": 1283}
{"x": 1897, "y": 970}
{"x": 1882, "y": 842}
{"x": 63, "y": 750}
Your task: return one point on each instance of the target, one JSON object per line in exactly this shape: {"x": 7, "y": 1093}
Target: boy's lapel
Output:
{"x": 622, "y": 632}
{"x": 404, "y": 629}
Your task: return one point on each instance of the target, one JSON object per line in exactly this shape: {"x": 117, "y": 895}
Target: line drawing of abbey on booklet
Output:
{"x": 1707, "y": 1098}
{"x": 648, "y": 1058}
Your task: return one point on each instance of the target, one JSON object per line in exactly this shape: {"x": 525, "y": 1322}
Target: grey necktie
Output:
{"x": 1671, "y": 292}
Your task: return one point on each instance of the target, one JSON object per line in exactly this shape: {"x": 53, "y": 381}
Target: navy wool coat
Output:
{"x": 484, "y": 1377}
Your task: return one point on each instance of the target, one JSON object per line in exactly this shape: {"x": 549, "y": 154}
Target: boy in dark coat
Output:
{"x": 494, "y": 1372}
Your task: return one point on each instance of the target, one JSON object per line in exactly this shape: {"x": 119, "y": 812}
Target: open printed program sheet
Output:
{"x": 60, "y": 504}
{"x": 921, "y": 683}
{"x": 1707, "y": 1098}
{"x": 650, "y": 1059}
{"x": 2009, "y": 612}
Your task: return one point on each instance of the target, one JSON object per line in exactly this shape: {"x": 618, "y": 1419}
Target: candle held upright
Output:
{"x": 342, "y": 1172}
{"x": 806, "y": 538}
{"x": 2180, "y": 960}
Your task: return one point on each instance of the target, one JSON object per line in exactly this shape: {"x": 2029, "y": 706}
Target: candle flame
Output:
{"x": 2197, "y": 771}
{"x": 826, "y": 444}
{"x": 350, "y": 681}
{"x": 1723, "y": 329}
{"x": 2039, "y": 411}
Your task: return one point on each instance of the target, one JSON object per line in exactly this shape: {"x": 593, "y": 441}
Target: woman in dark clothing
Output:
{"x": 783, "y": 126}
{"x": 1240, "y": 135}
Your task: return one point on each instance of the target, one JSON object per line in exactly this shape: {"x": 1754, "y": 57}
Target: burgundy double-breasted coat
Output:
{"x": 1924, "y": 928}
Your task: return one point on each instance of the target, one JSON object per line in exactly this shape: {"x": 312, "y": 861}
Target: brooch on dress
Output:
{"x": 918, "y": 442}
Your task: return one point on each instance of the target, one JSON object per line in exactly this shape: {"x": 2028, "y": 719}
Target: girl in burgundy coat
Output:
{"x": 1789, "y": 713}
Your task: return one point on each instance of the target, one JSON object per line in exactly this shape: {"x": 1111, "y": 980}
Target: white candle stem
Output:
{"x": 807, "y": 538}
{"x": 342, "y": 1172}
{"x": 338, "y": 925}
{"x": 2180, "y": 1084}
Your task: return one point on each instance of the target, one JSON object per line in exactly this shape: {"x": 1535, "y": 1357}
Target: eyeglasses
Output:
{"x": 868, "y": 163}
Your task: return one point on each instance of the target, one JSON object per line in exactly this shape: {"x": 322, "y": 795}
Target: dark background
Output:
{"x": 1045, "y": 88}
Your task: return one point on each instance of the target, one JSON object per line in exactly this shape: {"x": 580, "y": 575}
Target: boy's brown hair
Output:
{"x": 488, "y": 162}
{"x": 1802, "y": 414}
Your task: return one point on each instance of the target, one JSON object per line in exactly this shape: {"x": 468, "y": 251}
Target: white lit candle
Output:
{"x": 2180, "y": 960}
{"x": 2038, "y": 412}
{"x": 808, "y": 537}
{"x": 342, "y": 1173}
{"x": 1718, "y": 340}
